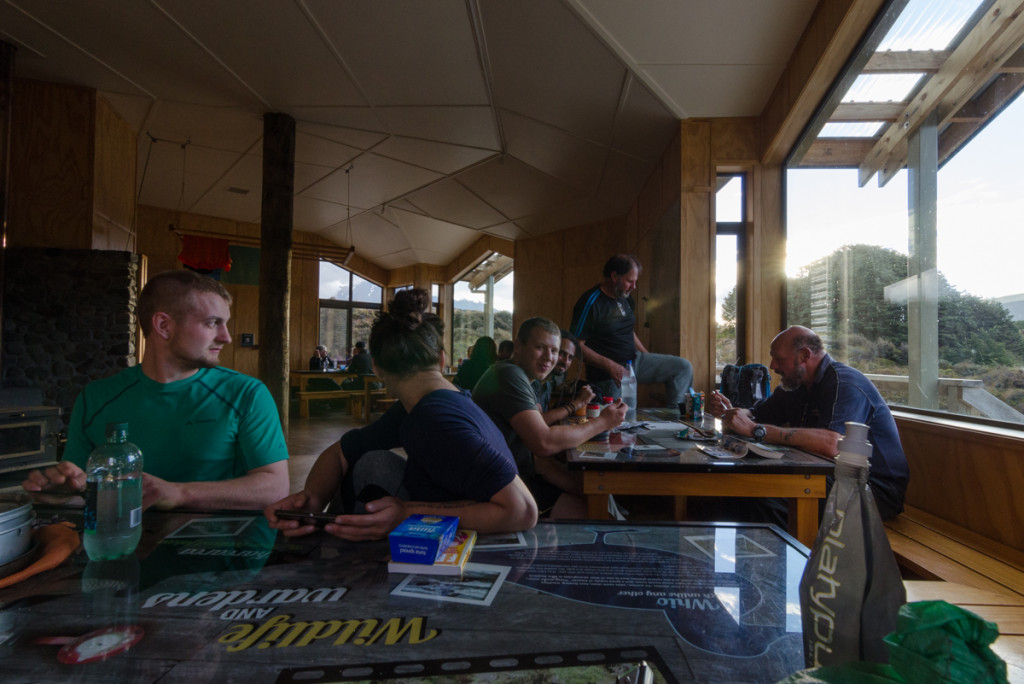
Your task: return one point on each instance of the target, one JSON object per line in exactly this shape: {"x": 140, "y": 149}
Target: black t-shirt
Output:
{"x": 317, "y": 363}
{"x": 606, "y": 325}
{"x": 360, "y": 364}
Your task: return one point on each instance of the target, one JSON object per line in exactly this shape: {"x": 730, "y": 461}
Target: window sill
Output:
{"x": 947, "y": 421}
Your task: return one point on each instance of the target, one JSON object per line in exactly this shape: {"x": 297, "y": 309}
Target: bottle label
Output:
{"x": 89, "y": 512}
{"x": 135, "y": 517}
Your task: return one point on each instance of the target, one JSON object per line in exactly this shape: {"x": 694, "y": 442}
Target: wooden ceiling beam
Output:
{"x": 978, "y": 57}
{"x": 867, "y": 111}
{"x": 499, "y": 268}
{"x": 979, "y": 111}
{"x": 906, "y": 61}
{"x": 836, "y": 153}
{"x": 831, "y": 36}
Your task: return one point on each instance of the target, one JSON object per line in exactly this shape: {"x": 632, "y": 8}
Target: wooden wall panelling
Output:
{"x": 734, "y": 141}
{"x": 539, "y": 270}
{"x": 584, "y": 250}
{"x": 696, "y": 254}
{"x": 51, "y": 166}
{"x": 305, "y": 313}
{"x": 766, "y": 262}
{"x": 245, "y": 313}
{"x": 969, "y": 476}
{"x": 156, "y": 240}
{"x": 662, "y": 308}
{"x": 400, "y": 277}
{"x": 114, "y": 172}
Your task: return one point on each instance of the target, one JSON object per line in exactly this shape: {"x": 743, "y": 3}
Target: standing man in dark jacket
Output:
{"x": 603, "y": 320}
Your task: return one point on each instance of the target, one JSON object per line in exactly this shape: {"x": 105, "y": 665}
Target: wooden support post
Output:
{"x": 276, "y": 256}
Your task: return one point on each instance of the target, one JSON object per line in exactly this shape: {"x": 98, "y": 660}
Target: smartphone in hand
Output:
{"x": 306, "y": 518}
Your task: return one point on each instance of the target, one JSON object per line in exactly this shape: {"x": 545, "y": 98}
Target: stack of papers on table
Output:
{"x": 734, "y": 447}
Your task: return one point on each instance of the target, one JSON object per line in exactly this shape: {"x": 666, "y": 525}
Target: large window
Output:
{"x": 856, "y": 276}
{"x": 348, "y": 304}
{"x": 730, "y": 244}
{"x": 470, "y": 315}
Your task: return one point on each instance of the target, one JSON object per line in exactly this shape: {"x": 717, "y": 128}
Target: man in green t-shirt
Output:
{"x": 508, "y": 393}
{"x": 210, "y": 437}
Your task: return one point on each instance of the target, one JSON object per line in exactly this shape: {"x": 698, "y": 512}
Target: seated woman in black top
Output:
{"x": 457, "y": 461}
{"x": 481, "y": 357}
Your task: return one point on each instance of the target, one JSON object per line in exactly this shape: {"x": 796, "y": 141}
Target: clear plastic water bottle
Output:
{"x": 113, "y": 499}
{"x": 629, "y": 392}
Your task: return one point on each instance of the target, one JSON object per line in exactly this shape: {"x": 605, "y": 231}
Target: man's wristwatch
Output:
{"x": 759, "y": 432}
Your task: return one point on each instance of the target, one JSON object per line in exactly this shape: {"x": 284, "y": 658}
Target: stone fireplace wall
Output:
{"x": 69, "y": 318}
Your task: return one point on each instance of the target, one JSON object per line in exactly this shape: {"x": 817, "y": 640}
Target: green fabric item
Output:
{"x": 934, "y": 642}
{"x": 938, "y": 641}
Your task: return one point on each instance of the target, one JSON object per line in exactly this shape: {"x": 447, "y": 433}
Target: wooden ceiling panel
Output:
{"x": 571, "y": 159}
{"x": 450, "y": 201}
{"x": 582, "y": 80}
{"x": 253, "y": 47}
{"x": 441, "y": 157}
{"x": 372, "y": 181}
{"x": 404, "y": 56}
{"x": 515, "y": 189}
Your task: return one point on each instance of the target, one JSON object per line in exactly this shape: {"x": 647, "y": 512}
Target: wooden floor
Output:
{"x": 307, "y": 437}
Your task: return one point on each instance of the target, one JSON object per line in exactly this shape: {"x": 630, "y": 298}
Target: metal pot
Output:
{"x": 15, "y": 508}
{"x": 14, "y": 541}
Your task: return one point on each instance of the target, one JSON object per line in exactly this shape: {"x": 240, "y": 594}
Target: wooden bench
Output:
{"x": 371, "y": 396}
{"x": 354, "y": 397}
{"x": 932, "y": 548}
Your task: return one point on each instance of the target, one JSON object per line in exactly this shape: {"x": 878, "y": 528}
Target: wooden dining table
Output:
{"x": 301, "y": 378}
{"x": 681, "y": 469}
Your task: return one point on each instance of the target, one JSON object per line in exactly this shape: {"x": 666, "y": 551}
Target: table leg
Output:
{"x": 597, "y": 507}
{"x": 679, "y": 508}
{"x": 803, "y": 520}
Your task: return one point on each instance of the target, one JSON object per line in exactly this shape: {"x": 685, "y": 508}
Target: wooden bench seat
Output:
{"x": 935, "y": 549}
{"x": 354, "y": 397}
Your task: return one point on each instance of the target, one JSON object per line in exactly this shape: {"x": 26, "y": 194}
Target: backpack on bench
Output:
{"x": 746, "y": 385}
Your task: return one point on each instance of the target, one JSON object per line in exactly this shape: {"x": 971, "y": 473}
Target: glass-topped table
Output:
{"x": 218, "y": 597}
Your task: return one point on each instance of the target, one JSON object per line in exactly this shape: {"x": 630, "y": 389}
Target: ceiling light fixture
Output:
{"x": 348, "y": 216}
{"x": 348, "y": 206}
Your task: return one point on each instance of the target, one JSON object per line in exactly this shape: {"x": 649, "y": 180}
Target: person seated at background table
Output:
{"x": 558, "y": 393}
{"x": 603, "y": 320}
{"x": 508, "y": 393}
{"x": 320, "y": 360}
{"x": 210, "y": 437}
{"x": 816, "y": 398}
{"x": 360, "y": 364}
{"x": 457, "y": 462}
{"x": 505, "y": 350}
{"x": 482, "y": 356}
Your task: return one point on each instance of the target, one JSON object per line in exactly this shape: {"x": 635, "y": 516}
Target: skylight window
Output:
{"x": 882, "y": 88}
{"x": 929, "y": 24}
{"x": 860, "y": 129}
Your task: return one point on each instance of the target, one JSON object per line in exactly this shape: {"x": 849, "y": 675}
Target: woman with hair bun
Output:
{"x": 457, "y": 462}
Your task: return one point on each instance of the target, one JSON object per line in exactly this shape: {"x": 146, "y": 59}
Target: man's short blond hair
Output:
{"x": 171, "y": 293}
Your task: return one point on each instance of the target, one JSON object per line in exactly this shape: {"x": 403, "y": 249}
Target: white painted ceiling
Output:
{"x": 454, "y": 117}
